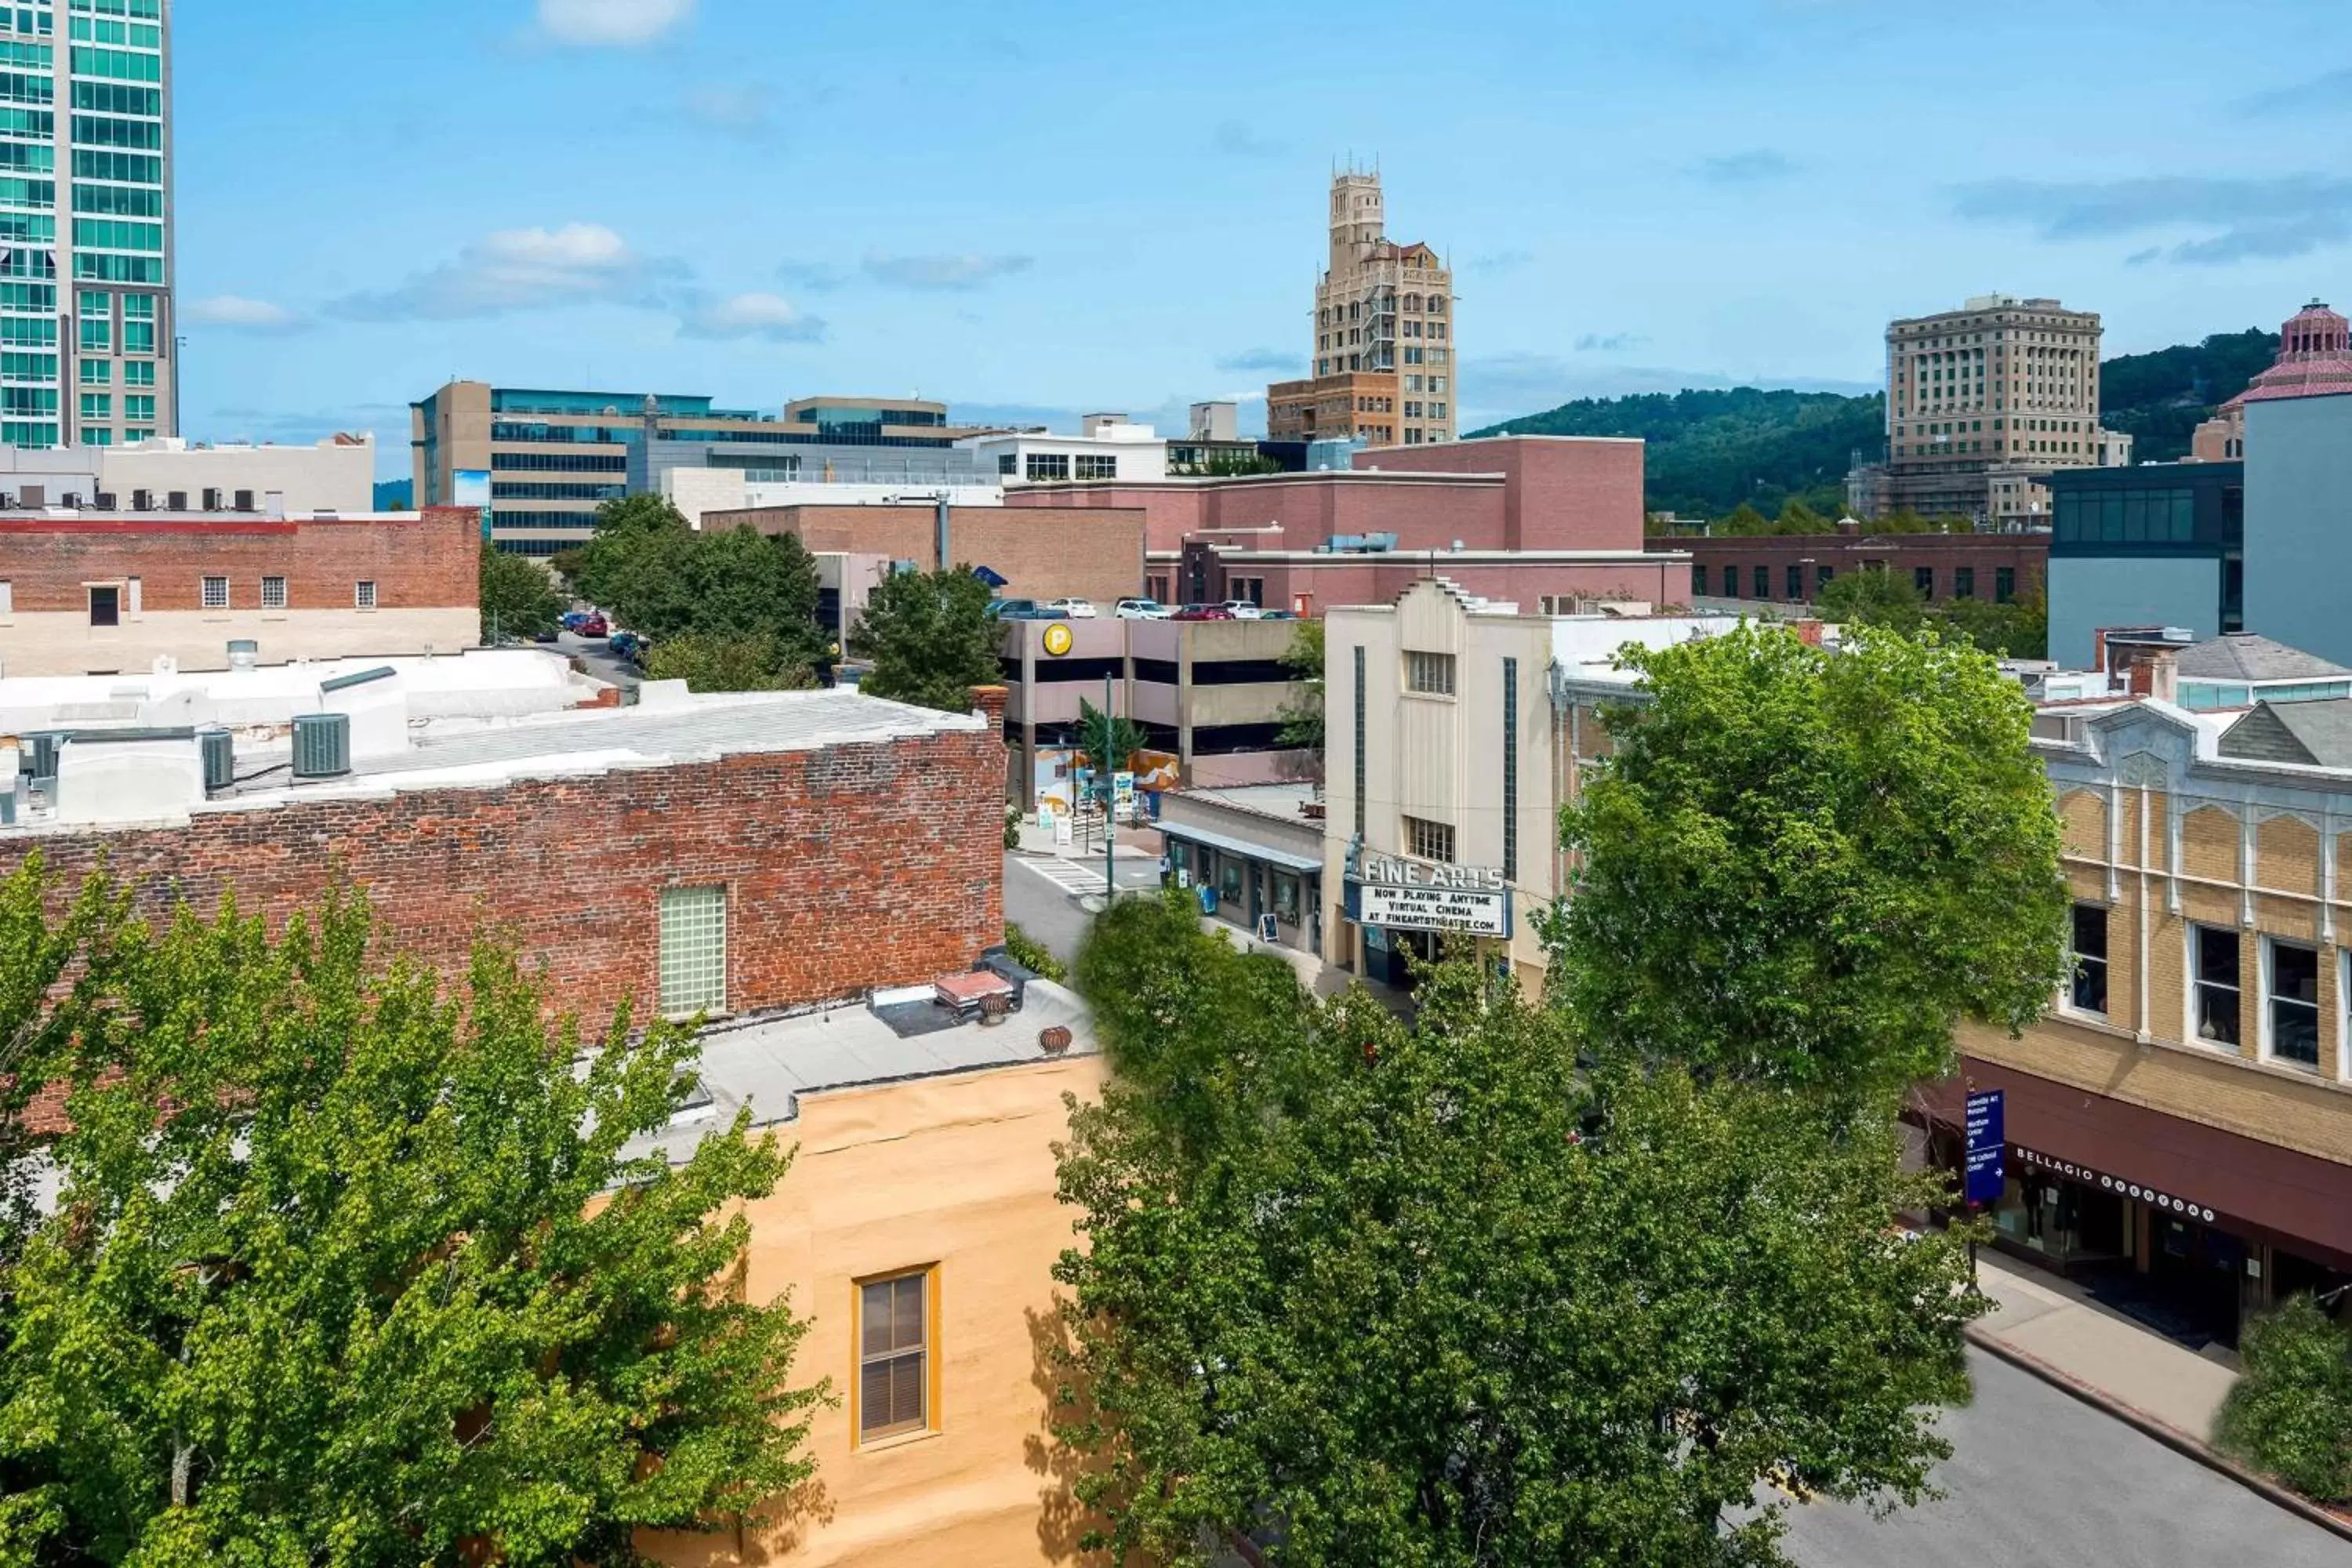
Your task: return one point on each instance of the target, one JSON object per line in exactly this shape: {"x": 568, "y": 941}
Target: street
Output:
{"x": 1041, "y": 894}
{"x": 2038, "y": 1478}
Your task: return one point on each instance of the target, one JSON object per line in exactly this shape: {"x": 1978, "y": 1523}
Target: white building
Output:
{"x": 167, "y": 474}
{"x": 696, "y": 492}
{"x": 1457, "y": 729}
{"x": 1108, "y": 447}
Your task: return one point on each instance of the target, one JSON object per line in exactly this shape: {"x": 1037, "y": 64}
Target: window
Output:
{"x": 1924, "y": 579}
{"x": 894, "y": 1356}
{"x": 1007, "y": 464}
{"x": 1426, "y": 841}
{"x": 1049, "y": 466}
{"x": 2292, "y": 1002}
{"x": 1964, "y": 581}
{"x": 1093, "y": 467}
{"x": 97, "y": 373}
{"x": 1431, "y": 674}
{"x": 363, "y": 594}
{"x": 1796, "y": 582}
{"x": 106, "y": 606}
{"x": 273, "y": 593}
{"x": 1510, "y": 770}
{"x": 1822, "y": 575}
{"x": 138, "y": 373}
{"x": 2213, "y": 968}
{"x": 139, "y": 406}
{"x": 2004, "y": 584}
{"x": 2090, "y": 989}
{"x": 97, "y": 405}
{"x": 693, "y": 951}
{"x": 216, "y": 592}
{"x": 1763, "y": 577}
{"x": 1698, "y": 581}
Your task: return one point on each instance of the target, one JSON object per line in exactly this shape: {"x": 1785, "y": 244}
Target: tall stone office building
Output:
{"x": 1984, "y": 402}
{"x": 87, "y": 313}
{"x": 1385, "y": 351}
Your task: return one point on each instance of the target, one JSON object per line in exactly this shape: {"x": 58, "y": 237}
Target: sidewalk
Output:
{"x": 2044, "y": 1325}
{"x": 2058, "y": 1325}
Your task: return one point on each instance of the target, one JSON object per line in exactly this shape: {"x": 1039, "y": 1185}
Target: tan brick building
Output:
{"x": 2180, "y": 1126}
{"x": 1385, "y": 351}
{"x": 1043, "y": 552}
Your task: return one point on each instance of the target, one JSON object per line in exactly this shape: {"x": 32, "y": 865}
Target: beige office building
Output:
{"x": 2002, "y": 387}
{"x": 1383, "y": 309}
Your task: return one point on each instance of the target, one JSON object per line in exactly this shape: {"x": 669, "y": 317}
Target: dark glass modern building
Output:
{"x": 2162, "y": 544}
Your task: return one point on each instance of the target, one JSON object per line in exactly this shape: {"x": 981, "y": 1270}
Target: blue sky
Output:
{"x": 1036, "y": 207}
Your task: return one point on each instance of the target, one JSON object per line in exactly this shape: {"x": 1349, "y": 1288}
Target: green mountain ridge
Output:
{"x": 1709, "y": 451}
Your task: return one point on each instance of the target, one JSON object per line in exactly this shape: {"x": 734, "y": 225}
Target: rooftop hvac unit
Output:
{"x": 211, "y": 499}
{"x": 143, "y": 500}
{"x": 322, "y": 745}
{"x": 178, "y": 499}
{"x": 39, "y": 759}
{"x": 244, "y": 501}
{"x": 103, "y": 500}
{"x": 219, "y": 748}
{"x": 244, "y": 653}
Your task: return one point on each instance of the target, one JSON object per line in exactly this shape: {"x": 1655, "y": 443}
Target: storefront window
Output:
{"x": 2064, "y": 1221}
{"x": 1229, "y": 879}
{"x": 1286, "y": 899}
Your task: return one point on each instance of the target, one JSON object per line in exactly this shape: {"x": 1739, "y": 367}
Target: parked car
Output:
{"x": 547, "y": 635}
{"x": 594, "y": 625}
{"x": 1025, "y": 610}
{"x": 1140, "y": 610}
{"x": 1243, "y": 610}
{"x": 1277, "y": 614}
{"x": 625, "y": 645}
{"x": 1202, "y": 612}
{"x": 570, "y": 619}
{"x": 1076, "y": 609}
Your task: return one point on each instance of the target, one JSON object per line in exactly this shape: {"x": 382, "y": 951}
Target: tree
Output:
{"x": 743, "y": 583}
{"x": 2291, "y": 1413}
{"x": 1302, "y": 721}
{"x": 518, "y": 598}
{"x": 708, "y": 662}
{"x": 1807, "y": 867}
{"x": 930, "y": 640}
{"x": 1872, "y": 598}
{"x": 1448, "y": 1295}
{"x": 1108, "y": 739}
{"x": 2019, "y": 629}
{"x": 1744, "y": 520}
{"x": 1796, "y": 517}
{"x": 635, "y": 563}
{"x": 348, "y": 1267}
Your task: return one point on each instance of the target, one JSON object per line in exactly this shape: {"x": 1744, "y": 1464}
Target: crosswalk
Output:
{"x": 1081, "y": 878}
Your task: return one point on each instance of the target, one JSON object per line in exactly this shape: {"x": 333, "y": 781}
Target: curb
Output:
{"x": 2171, "y": 1436}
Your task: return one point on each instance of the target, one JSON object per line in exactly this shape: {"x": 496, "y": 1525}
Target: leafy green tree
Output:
{"x": 1032, "y": 954}
{"x": 708, "y": 662}
{"x": 1302, "y": 721}
{"x": 930, "y": 640}
{"x": 517, "y": 598}
{"x": 1872, "y": 598}
{"x": 1796, "y": 517}
{"x": 635, "y": 562}
{"x": 1108, "y": 739}
{"x": 2019, "y": 629}
{"x": 345, "y": 1267}
{"x": 1903, "y": 520}
{"x": 1808, "y": 867}
{"x": 1449, "y": 1295}
{"x": 1742, "y": 521}
{"x": 2291, "y": 1413}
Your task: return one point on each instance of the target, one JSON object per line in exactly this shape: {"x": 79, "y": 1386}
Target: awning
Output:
{"x": 1241, "y": 846}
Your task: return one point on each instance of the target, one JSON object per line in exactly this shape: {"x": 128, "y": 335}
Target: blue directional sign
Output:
{"x": 1987, "y": 1126}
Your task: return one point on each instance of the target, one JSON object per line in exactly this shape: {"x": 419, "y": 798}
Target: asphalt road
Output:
{"x": 2036, "y": 1478}
{"x": 1041, "y": 895}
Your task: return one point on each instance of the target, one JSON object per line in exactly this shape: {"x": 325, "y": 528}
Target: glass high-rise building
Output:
{"x": 86, "y": 307}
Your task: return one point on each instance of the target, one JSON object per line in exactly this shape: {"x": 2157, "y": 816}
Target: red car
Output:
{"x": 1202, "y": 612}
{"x": 595, "y": 625}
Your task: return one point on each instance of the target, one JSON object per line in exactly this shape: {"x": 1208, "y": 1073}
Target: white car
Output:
{"x": 1076, "y": 609}
{"x": 1140, "y": 610}
{"x": 1245, "y": 611}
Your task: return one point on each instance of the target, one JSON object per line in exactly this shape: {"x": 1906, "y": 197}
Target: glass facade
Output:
{"x": 84, "y": 199}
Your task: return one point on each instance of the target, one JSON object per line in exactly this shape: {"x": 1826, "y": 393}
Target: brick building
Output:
{"x": 1793, "y": 568}
{"x": 96, "y": 593}
{"x": 1094, "y": 551}
{"x": 729, "y": 854}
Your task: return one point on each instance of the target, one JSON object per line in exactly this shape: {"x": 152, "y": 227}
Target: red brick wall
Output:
{"x": 2028, "y": 555}
{"x": 1424, "y": 514}
{"x": 424, "y": 563}
{"x": 1565, "y": 493}
{"x": 1095, "y": 553}
{"x": 856, "y": 866}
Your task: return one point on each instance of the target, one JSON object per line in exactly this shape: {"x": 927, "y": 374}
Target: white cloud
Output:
{"x": 741, "y": 108}
{"x": 942, "y": 272}
{"x": 769, "y": 317}
{"x": 517, "y": 270}
{"x": 236, "y": 313}
{"x": 621, "y": 23}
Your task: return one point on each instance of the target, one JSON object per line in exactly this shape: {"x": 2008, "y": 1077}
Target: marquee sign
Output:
{"x": 1419, "y": 895}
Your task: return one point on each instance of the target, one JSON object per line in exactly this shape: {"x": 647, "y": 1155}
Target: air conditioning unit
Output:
{"x": 322, "y": 745}
{"x": 219, "y": 748}
{"x": 244, "y": 501}
{"x": 38, "y": 759}
{"x": 244, "y": 653}
{"x": 103, "y": 500}
{"x": 178, "y": 501}
{"x": 143, "y": 500}
{"x": 211, "y": 499}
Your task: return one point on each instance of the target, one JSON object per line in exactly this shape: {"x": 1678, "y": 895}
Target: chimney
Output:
{"x": 989, "y": 701}
{"x": 2099, "y": 651}
{"x": 2163, "y": 667}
